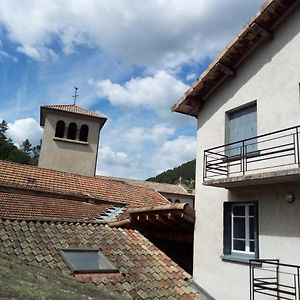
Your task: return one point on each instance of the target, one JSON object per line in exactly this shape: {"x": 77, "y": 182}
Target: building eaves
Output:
{"x": 70, "y": 109}
{"x": 259, "y": 28}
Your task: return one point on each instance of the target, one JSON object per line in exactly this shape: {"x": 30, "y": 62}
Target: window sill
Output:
{"x": 239, "y": 259}
{"x": 70, "y": 141}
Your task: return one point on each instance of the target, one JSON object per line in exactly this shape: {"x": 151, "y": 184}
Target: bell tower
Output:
{"x": 71, "y": 138}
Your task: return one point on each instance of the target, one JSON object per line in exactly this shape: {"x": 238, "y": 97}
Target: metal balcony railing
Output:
{"x": 275, "y": 150}
{"x": 274, "y": 280}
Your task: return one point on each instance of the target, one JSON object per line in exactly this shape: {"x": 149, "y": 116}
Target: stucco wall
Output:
{"x": 270, "y": 76}
{"x": 67, "y": 155}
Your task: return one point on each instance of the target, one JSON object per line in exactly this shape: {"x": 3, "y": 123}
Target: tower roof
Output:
{"x": 71, "y": 109}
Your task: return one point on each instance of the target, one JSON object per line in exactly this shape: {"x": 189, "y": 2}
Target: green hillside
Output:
{"x": 185, "y": 171}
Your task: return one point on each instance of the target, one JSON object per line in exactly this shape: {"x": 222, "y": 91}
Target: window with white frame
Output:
{"x": 242, "y": 236}
{"x": 241, "y": 229}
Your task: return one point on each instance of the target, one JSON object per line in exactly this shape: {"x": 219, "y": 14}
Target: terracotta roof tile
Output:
{"x": 70, "y": 108}
{"x": 31, "y": 207}
{"x": 19, "y": 176}
{"x": 140, "y": 281}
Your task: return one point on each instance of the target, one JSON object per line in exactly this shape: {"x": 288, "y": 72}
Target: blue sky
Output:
{"x": 131, "y": 60}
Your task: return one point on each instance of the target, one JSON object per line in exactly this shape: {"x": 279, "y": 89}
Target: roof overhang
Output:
{"x": 170, "y": 221}
{"x": 44, "y": 110}
{"x": 258, "y": 29}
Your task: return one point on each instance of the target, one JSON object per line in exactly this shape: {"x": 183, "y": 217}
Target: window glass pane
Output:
{"x": 252, "y": 246}
{"x": 83, "y": 260}
{"x": 239, "y": 210}
{"x": 251, "y": 228}
{"x": 251, "y": 210}
{"x": 87, "y": 260}
{"x": 239, "y": 245}
{"x": 239, "y": 228}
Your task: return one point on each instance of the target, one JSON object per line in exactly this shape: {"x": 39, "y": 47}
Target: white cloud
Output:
{"x": 148, "y": 161}
{"x": 113, "y": 163}
{"x": 110, "y": 157}
{"x": 23, "y": 129}
{"x": 157, "y": 34}
{"x": 37, "y": 53}
{"x": 157, "y": 93}
{"x": 4, "y": 54}
{"x": 191, "y": 77}
{"x": 155, "y": 134}
{"x": 173, "y": 153}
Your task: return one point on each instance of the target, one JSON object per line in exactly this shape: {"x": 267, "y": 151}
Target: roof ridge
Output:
{"x": 56, "y": 221}
{"x": 23, "y": 187}
{"x": 70, "y": 109}
{"x": 33, "y": 178}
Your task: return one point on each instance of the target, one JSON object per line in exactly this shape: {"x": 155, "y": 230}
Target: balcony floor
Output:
{"x": 262, "y": 178}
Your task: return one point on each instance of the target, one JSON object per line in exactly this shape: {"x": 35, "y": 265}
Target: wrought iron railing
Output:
{"x": 273, "y": 279}
{"x": 274, "y": 150}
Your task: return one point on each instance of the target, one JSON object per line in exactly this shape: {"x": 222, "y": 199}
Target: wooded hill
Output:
{"x": 25, "y": 154}
{"x": 185, "y": 173}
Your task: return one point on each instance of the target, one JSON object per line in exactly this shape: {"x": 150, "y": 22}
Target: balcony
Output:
{"x": 273, "y": 279}
{"x": 264, "y": 159}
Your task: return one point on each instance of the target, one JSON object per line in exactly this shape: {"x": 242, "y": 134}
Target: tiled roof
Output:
{"x": 75, "y": 109}
{"x": 145, "y": 272}
{"x": 23, "y": 281}
{"x": 39, "y": 179}
{"x": 31, "y": 207}
{"x": 158, "y": 186}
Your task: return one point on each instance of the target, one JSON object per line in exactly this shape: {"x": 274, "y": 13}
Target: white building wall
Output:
{"x": 270, "y": 76}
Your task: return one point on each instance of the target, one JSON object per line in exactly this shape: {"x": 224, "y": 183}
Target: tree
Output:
{"x": 3, "y": 127}
{"x": 26, "y": 147}
{"x": 18, "y": 156}
{"x": 36, "y": 151}
{"x": 35, "y": 155}
{"x": 184, "y": 173}
{"x": 8, "y": 151}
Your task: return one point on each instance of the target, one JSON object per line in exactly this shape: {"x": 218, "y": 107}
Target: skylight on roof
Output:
{"x": 87, "y": 261}
{"x": 111, "y": 213}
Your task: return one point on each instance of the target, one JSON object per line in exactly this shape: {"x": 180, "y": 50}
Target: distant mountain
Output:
{"x": 185, "y": 171}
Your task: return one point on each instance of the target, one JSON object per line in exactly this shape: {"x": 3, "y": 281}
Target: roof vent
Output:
{"x": 32, "y": 180}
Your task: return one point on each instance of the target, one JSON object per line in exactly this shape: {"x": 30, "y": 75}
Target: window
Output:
{"x": 60, "y": 129}
{"x": 83, "y": 135}
{"x": 72, "y": 131}
{"x": 87, "y": 261}
{"x": 241, "y": 229}
{"x": 242, "y": 124}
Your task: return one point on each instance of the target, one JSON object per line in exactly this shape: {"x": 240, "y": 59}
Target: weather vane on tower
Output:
{"x": 75, "y": 94}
